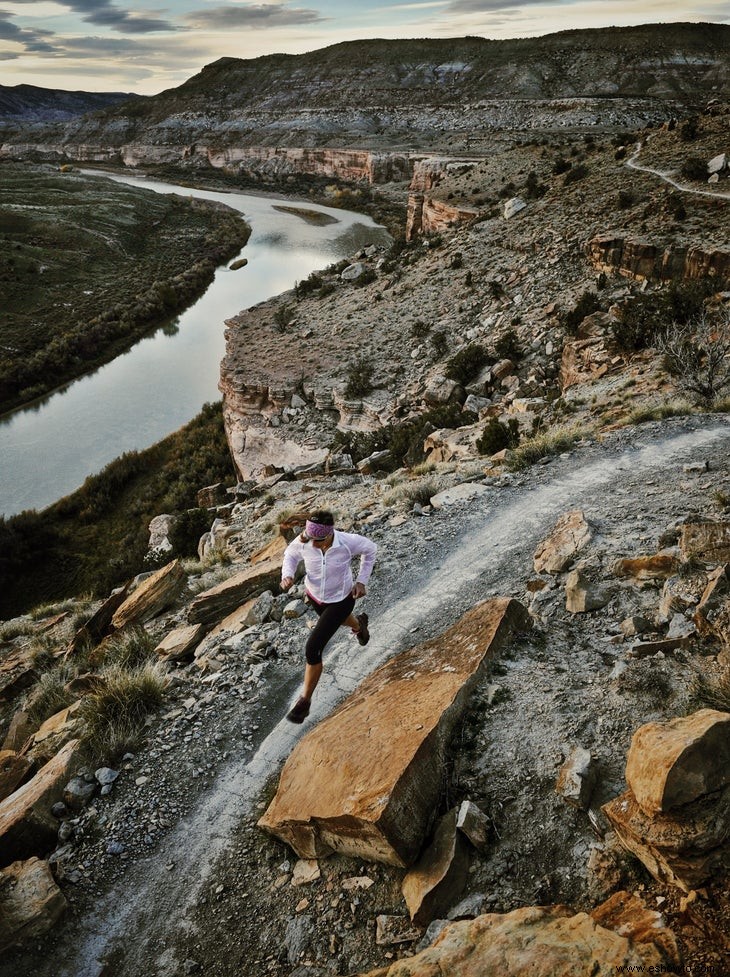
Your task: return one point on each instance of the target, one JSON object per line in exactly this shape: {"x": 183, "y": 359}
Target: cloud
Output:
{"x": 104, "y": 13}
{"x": 34, "y": 41}
{"x": 488, "y": 6}
{"x": 257, "y": 15}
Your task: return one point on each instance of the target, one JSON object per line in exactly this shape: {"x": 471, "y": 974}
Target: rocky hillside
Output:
{"x": 29, "y": 103}
{"x": 525, "y": 770}
{"x": 406, "y": 95}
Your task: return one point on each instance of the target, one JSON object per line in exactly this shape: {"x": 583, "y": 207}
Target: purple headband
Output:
{"x": 317, "y": 530}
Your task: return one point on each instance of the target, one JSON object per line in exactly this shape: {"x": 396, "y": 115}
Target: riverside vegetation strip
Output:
{"x": 88, "y": 266}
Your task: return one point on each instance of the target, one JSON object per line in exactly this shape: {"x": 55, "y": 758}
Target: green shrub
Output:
{"x": 359, "y": 377}
{"x": 465, "y": 365}
{"x": 497, "y": 436}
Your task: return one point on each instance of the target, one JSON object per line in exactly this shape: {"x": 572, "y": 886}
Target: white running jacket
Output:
{"x": 329, "y": 575}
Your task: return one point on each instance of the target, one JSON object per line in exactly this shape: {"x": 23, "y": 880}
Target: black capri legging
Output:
{"x": 331, "y": 616}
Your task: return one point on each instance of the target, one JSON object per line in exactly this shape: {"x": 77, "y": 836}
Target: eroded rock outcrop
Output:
{"x": 366, "y": 780}
{"x": 30, "y": 902}
{"x": 675, "y": 816}
{"x": 642, "y": 260}
{"x": 547, "y": 942}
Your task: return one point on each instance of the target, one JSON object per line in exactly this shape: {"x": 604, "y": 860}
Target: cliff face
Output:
{"x": 642, "y": 260}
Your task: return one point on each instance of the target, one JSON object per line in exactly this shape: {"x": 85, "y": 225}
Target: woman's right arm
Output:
{"x": 292, "y": 559}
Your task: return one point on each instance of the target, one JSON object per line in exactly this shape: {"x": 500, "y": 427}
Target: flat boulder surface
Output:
{"x": 367, "y": 779}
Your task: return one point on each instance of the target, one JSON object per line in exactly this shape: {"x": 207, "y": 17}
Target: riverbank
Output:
{"x": 88, "y": 267}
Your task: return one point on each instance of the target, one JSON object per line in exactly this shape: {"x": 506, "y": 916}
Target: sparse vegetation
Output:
{"x": 465, "y": 365}
{"x": 359, "y": 377}
{"x": 497, "y": 436}
{"x": 542, "y": 445}
{"x": 586, "y": 305}
{"x": 697, "y": 354}
{"x": 114, "y": 714}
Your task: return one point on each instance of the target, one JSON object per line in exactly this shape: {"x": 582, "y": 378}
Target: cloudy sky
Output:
{"x": 146, "y": 46}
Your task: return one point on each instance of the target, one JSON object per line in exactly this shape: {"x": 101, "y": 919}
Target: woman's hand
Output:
{"x": 358, "y": 591}
{"x": 286, "y": 583}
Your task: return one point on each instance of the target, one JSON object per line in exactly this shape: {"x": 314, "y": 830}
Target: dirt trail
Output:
{"x": 666, "y": 175}
{"x": 478, "y": 549}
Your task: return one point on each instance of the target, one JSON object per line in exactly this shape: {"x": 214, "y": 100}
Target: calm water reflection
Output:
{"x": 47, "y": 450}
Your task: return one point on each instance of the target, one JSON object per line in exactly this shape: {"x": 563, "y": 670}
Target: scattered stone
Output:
{"x": 13, "y": 770}
{"x": 357, "y": 882}
{"x": 353, "y": 272}
{"x": 577, "y": 779}
{"x": 634, "y": 625}
{"x": 468, "y": 908}
{"x": 655, "y": 567}
{"x": 105, "y": 775}
{"x": 55, "y": 731}
{"x": 571, "y": 534}
{"x": 294, "y": 609}
{"x": 180, "y": 643}
{"x": 439, "y": 876}
{"x": 583, "y": 595}
{"x": 298, "y": 938}
{"x": 474, "y": 824}
{"x": 541, "y": 940}
{"x": 458, "y": 493}
{"x": 77, "y": 793}
{"x": 19, "y": 732}
{"x": 213, "y": 605}
{"x": 707, "y": 541}
{"x": 306, "y": 871}
{"x": 390, "y": 930}
{"x": 27, "y": 826}
{"x": 513, "y": 206}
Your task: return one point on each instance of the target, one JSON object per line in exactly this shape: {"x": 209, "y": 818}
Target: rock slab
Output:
{"x": 152, "y": 596}
{"x": 436, "y": 881}
{"x": 571, "y": 534}
{"x": 366, "y": 780}
{"x": 27, "y": 826}
{"x": 213, "y": 605}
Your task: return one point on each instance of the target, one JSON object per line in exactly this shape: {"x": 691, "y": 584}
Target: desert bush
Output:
{"x": 419, "y": 492}
{"x": 624, "y": 199}
{"x": 710, "y": 691}
{"x": 641, "y": 320}
{"x": 439, "y": 343}
{"x": 694, "y": 168}
{"x": 561, "y": 165}
{"x": 49, "y": 695}
{"x": 497, "y": 436}
{"x": 129, "y": 649}
{"x": 115, "y": 713}
{"x": 586, "y": 305}
{"x": 466, "y": 364}
{"x": 579, "y": 172}
{"x": 507, "y": 346}
{"x": 283, "y": 316}
{"x": 420, "y": 329}
{"x": 544, "y": 444}
{"x": 697, "y": 354}
{"x": 689, "y": 129}
{"x": 359, "y": 377}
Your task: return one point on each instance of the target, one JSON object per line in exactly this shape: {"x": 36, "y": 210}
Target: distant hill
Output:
{"x": 28, "y": 103}
{"x": 663, "y": 61}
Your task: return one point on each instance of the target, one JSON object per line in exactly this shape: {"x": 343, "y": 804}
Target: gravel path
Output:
{"x": 147, "y": 913}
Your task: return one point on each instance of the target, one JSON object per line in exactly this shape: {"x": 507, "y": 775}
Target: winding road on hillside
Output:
{"x": 668, "y": 177}
{"x": 478, "y": 550}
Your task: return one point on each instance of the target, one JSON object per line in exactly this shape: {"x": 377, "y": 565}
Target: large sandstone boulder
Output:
{"x": 152, "y": 596}
{"x": 571, "y": 534}
{"x": 213, "y": 605}
{"x": 17, "y": 672}
{"x": 181, "y": 642}
{"x": 543, "y": 942}
{"x": 673, "y": 763}
{"x": 27, "y": 826}
{"x": 30, "y": 902}
{"x": 366, "y": 780}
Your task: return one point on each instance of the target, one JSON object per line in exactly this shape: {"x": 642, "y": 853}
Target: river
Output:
{"x": 48, "y": 449}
